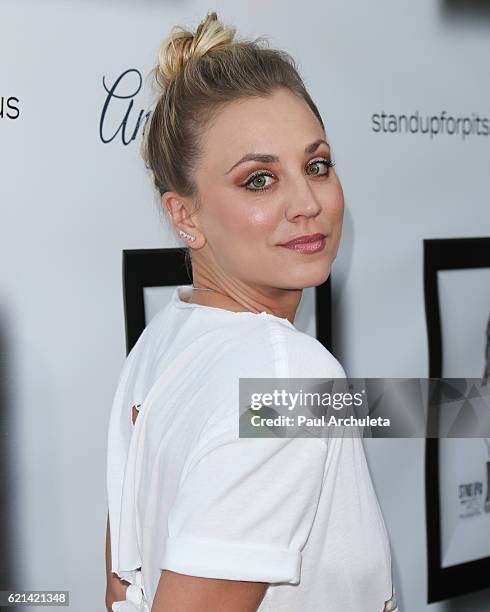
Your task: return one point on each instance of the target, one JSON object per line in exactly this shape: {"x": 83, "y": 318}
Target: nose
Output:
{"x": 301, "y": 199}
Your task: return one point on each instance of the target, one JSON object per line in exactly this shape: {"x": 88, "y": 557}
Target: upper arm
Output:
{"x": 244, "y": 510}
{"x": 196, "y": 594}
{"x": 240, "y": 520}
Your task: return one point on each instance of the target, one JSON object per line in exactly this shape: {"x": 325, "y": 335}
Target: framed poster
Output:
{"x": 457, "y": 470}
{"x": 150, "y": 277}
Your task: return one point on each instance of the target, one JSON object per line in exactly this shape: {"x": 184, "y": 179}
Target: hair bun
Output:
{"x": 181, "y": 45}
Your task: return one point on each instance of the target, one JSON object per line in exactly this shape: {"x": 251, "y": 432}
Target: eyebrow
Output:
{"x": 268, "y": 158}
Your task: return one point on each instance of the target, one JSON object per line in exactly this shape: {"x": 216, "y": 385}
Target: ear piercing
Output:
{"x": 186, "y": 235}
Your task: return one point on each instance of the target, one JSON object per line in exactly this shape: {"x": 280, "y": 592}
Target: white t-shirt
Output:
{"x": 186, "y": 493}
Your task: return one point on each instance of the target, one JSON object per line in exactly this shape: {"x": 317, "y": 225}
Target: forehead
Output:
{"x": 281, "y": 122}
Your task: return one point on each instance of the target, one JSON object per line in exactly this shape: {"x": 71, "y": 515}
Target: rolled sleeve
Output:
{"x": 245, "y": 508}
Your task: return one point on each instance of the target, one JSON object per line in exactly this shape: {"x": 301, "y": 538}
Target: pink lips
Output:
{"x": 311, "y": 243}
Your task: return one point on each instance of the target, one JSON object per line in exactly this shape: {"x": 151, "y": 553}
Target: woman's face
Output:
{"x": 249, "y": 208}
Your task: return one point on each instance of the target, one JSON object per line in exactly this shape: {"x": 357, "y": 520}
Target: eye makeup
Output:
{"x": 267, "y": 173}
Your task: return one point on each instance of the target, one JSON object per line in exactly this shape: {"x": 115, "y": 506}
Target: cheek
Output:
{"x": 334, "y": 204}
{"x": 248, "y": 219}
{"x": 338, "y": 208}
{"x": 339, "y": 198}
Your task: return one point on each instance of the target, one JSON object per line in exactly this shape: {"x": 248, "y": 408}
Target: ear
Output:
{"x": 179, "y": 209}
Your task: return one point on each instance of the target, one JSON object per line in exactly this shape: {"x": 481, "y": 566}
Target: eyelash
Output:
{"x": 329, "y": 163}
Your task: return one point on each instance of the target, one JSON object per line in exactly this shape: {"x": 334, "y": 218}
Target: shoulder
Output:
{"x": 305, "y": 355}
{"x": 263, "y": 346}
{"x": 258, "y": 347}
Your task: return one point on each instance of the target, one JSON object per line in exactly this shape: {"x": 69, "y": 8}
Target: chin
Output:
{"x": 312, "y": 276}
{"x": 309, "y": 278}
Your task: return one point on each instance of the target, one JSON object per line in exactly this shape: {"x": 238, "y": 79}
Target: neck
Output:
{"x": 237, "y": 300}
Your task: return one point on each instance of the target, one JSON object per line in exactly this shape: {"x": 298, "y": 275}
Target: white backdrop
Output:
{"x": 74, "y": 195}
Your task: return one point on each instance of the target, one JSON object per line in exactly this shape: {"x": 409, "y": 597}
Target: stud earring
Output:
{"x": 186, "y": 235}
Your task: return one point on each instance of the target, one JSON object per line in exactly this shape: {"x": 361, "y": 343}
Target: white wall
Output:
{"x": 71, "y": 203}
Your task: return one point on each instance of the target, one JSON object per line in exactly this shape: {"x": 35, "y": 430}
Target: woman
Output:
{"x": 200, "y": 519}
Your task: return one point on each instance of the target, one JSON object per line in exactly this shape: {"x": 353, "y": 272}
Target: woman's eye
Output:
{"x": 257, "y": 182}
{"x": 327, "y": 163}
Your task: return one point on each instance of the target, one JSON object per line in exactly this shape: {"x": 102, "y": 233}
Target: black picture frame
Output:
{"x": 446, "y": 254}
{"x": 142, "y": 268}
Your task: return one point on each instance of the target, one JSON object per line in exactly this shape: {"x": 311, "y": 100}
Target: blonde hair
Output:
{"x": 196, "y": 74}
